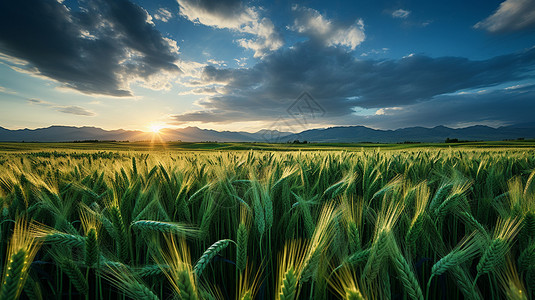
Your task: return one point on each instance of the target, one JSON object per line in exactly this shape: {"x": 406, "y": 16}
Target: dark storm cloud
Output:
{"x": 95, "y": 48}
{"x": 339, "y": 82}
{"x": 495, "y": 108}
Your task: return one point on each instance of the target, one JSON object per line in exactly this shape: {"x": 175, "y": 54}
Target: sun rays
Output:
{"x": 157, "y": 131}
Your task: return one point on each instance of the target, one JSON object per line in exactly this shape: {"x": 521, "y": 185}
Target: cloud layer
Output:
{"x": 342, "y": 84}
{"x": 98, "y": 48}
{"x": 496, "y": 108}
{"x": 512, "y": 15}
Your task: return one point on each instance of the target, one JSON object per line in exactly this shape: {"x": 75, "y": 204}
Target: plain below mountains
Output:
{"x": 346, "y": 134}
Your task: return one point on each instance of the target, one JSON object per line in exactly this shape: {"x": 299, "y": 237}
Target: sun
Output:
{"x": 155, "y": 128}
{"x": 158, "y": 134}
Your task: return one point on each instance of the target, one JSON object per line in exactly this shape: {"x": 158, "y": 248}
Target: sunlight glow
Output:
{"x": 157, "y": 136}
{"x": 155, "y": 128}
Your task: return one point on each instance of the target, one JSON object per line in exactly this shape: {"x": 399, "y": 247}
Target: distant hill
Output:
{"x": 340, "y": 134}
{"x": 69, "y": 134}
{"x": 352, "y": 134}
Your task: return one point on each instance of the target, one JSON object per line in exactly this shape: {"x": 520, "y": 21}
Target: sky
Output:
{"x": 251, "y": 65}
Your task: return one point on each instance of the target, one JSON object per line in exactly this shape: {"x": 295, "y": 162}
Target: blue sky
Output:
{"x": 239, "y": 65}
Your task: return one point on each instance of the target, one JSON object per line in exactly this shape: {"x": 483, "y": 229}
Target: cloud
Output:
{"x": 97, "y": 48}
{"x": 400, "y": 14}
{"x": 163, "y": 15}
{"x": 496, "y": 108}
{"x": 512, "y": 15}
{"x": 75, "y": 110}
{"x": 216, "y": 62}
{"x": 241, "y": 62}
{"x": 340, "y": 83}
{"x": 311, "y": 23}
{"x": 268, "y": 38}
{"x": 223, "y": 117}
{"x": 201, "y": 91}
{"x": 6, "y": 90}
{"x": 68, "y": 109}
{"x": 235, "y": 15}
{"x": 387, "y": 110}
{"x": 516, "y": 86}
{"x": 231, "y": 14}
{"x": 375, "y": 52}
{"x": 191, "y": 69}
{"x": 39, "y": 102}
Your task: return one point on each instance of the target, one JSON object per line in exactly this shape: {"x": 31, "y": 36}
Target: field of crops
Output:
{"x": 413, "y": 224}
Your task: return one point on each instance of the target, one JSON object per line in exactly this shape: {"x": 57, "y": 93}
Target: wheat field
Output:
{"x": 413, "y": 224}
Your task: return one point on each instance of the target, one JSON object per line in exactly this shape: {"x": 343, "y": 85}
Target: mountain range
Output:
{"x": 338, "y": 134}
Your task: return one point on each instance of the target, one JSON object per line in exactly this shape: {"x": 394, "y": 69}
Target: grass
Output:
{"x": 406, "y": 221}
{"x": 233, "y": 146}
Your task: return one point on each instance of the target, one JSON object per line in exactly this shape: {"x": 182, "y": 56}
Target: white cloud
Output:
{"x": 173, "y": 46}
{"x": 512, "y": 15}
{"x": 157, "y": 82}
{"x": 192, "y": 72}
{"x": 163, "y": 15}
{"x": 519, "y": 86}
{"x": 401, "y": 13}
{"x": 268, "y": 38}
{"x": 209, "y": 14}
{"x": 6, "y": 90}
{"x": 235, "y": 16}
{"x": 241, "y": 62}
{"x": 313, "y": 24}
{"x": 4, "y": 58}
{"x": 375, "y": 51}
{"x": 217, "y": 62}
{"x": 387, "y": 110}
{"x": 148, "y": 17}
